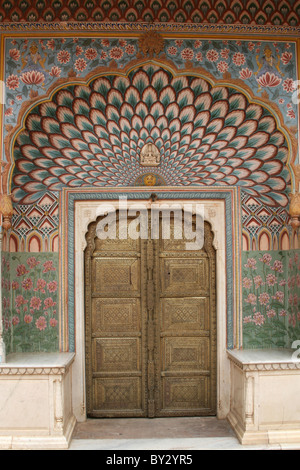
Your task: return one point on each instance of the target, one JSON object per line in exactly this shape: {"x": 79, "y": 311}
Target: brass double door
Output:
{"x": 150, "y": 327}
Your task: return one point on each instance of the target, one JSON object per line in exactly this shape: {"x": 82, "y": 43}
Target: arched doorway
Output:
{"x": 150, "y": 324}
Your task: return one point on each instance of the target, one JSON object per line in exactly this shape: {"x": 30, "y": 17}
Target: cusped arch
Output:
{"x": 89, "y": 133}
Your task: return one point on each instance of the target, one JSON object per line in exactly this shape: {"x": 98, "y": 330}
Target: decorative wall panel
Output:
{"x": 261, "y": 12}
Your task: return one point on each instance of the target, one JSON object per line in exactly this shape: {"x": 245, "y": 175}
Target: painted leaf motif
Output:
{"x": 92, "y": 136}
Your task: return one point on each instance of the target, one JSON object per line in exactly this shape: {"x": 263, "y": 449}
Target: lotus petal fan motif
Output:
{"x": 92, "y": 136}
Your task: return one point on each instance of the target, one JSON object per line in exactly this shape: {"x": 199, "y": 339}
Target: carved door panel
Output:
{"x": 150, "y": 327}
{"x": 186, "y": 376}
{"x": 115, "y": 328}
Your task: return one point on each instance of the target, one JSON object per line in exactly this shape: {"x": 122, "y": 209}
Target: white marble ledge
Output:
{"x": 265, "y": 359}
{"x": 36, "y": 363}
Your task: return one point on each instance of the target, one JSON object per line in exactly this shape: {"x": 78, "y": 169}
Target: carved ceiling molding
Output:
{"x": 137, "y": 27}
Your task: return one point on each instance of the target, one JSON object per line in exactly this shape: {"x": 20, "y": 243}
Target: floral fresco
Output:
{"x": 271, "y": 299}
{"x": 30, "y": 302}
{"x": 34, "y": 64}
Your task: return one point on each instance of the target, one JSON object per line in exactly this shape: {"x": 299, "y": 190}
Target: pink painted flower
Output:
{"x": 199, "y": 56}
{"x": 251, "y": 263}
{"x": 277, "y": 266}
{"x": 32, "y": 262}
{"x": 48, "y": 303}
{"x": 247, "y": 283}
{"x": 282, "y": 313}
{"x": 32, "y": 77}
{"x": 222, "y": 66}
{"x": 15, "y": 320}
{"x": 51, "y": 44}
{"x": 48, "y": 266}
{"x": 271, "y": 279}
{"x": 52, "y": 286}
{"x": 9, "y": 112}
{"x": 248, "y": 319}
{"x": 291, "y": 114}
{"x": 27, "y": 283}
{"x": 224, "y": 53}
{"x": 19, "y": 97}
{"x": 15, "y": 54}
{"x": 53, "y": 322}
{"x": 258, "y": 319}
{"x": 197, "y": 44}
{"x": 286, "y": 57}
{"x": 279, "y": 296}
{"x": 19, "y": 301}
{"x": 105, "y": 42}
{"x": 78, "y": 51}
{"x": 179, "y": 42}
{"x": 288, "y": 85}
{"x": 266, "y": 259}
{"x": 245, "y": 74}
{"x": 187, "y": 54}
{"x": 35, "y": 303}
{"x": 116, "y": 53}
{"x": 238, "y": 59}
{"x": 271, "y": 313}
{"x": 258, "y": 281}
{"x": 103, "y": 55}
{"x": 15, "y": 285}
{"x": 269, "y": 80}
{"x": 13, "y": 82}
{"x": 55, "y": 71}
{"x": 63, "y": 57}
{"x": 130, "y": 49}
{"x": 251, "y": 46}
{"x": 40, "y": 285}
{"x": 264, "y": 298}
{"x": 251, "y": 299}
{"x": 28, "y": 319}
{"x": 212, "y": 55}
{"x": 80, "y": 65}
{"x": 91, "y": 53}
{"x": 41, "y": 323}
{"x": 172, "y": 50}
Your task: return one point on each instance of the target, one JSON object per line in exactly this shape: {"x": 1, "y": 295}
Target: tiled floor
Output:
{"x": 157, "y": 434}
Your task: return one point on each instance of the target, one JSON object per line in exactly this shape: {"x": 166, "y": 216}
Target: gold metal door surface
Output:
{"x": 150, "y": 327}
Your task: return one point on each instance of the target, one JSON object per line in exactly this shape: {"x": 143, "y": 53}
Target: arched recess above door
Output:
{"x": 90, "y": 133}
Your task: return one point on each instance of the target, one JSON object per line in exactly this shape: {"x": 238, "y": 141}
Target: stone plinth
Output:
{"x": 36, "y": 401}
{"x": 265, "y": 391}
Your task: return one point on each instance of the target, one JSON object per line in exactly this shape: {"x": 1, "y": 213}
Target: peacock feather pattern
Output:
{"x": 92, "y": 135}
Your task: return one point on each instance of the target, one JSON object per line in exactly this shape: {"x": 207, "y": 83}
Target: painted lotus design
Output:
{"x": 269, "y": 80}
{"x": 32, "y": 77}
{"x": 92, "y": 136}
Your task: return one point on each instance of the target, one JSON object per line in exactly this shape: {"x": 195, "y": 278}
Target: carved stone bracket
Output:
{"x": 6, "y": 209}
{"x": 295, "y": 210}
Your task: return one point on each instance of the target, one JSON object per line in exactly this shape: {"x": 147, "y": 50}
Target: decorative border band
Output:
{"x": 162, "y": 27}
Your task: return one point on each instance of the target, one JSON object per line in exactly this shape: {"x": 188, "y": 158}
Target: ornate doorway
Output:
{"x": 150, "y": 325}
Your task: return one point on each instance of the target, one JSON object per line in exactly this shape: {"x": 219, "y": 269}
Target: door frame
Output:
{"x": 84, "y": 210}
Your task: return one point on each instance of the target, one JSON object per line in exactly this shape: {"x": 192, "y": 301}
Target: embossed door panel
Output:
{"x": 116, "y": 276}
{"x": 186, "y": 377}
{"x": 150, "y": 327}
{"x": 115, "y": 328}
{"x": 184, "y": 277}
